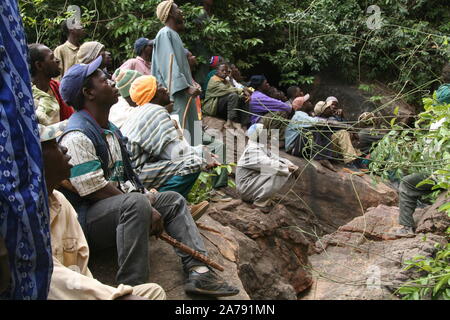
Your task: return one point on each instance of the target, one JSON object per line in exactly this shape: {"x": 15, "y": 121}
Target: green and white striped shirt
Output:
{"x": 87, "y": 175}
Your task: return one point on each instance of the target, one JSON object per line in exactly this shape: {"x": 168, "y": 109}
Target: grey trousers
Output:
{"x": 409, "y": 194}
{"x": 124, "y": 221}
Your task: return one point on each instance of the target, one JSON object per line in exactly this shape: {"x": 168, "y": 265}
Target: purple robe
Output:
{"x": 260, "y": 104}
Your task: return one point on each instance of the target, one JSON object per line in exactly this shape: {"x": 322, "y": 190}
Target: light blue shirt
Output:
{"x": 299, "y": 120}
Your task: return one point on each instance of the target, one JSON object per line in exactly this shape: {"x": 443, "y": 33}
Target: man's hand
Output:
{"x": 339, "y": 113}
{"x": 211, "y": 159}
{"x": 151, "y": 196}
{"x": 131, "y": 297}
{"x": 194, "y": 91}
{"x": 295, "y": 170}
{"x": 157, "y": 224}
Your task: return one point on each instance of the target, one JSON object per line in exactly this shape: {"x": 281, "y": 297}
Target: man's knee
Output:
{"x": 150, "y": 291}
{"x": 171, "y": 197}
{"x": 408, "y": 183}
{"x": 138, "y": 205}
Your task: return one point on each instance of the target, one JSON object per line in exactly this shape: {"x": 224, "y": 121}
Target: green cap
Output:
{"x": 124, "y": 79}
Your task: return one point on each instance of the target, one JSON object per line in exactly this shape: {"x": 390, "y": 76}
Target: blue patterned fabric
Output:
{"x": 24, "y": 215}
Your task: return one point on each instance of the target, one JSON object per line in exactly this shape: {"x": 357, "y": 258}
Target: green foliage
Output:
{"x": 405, "y": 151}
{"x": 297, "y": 38}
{"x": 435, "y": 284}
{"x": 417, "y": 150}
{"x": 202, "y": 188}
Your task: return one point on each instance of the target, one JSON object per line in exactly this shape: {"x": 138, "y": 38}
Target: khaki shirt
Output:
{"x": 71, "y": 278}
{"x": 67, "y": 54}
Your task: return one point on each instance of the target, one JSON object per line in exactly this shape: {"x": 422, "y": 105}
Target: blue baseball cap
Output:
{"x": 72, "y": 82}
{"x": 140, "y": 44}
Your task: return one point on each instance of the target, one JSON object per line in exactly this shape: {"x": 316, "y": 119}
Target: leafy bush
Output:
{"x": 202, "y": 188}
{"x": 404, "y": 151}
{"x": 297, "y": 38}
{"x": 436, "y": 282}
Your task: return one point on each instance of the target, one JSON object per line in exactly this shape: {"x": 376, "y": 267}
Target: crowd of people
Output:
{"x": 121, "y": 151}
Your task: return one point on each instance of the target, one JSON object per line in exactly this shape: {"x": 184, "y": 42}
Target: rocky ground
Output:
{"x": 327, "y": 238}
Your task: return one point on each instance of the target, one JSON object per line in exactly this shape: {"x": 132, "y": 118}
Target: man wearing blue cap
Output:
{"x": 143, "y": 48}
{"x": 112, "y": 205}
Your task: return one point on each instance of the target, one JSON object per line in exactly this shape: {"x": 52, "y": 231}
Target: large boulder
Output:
{"x": 273, "y": 251}
{"x": 364, "y": 260}
{"x": 335, "y": 198}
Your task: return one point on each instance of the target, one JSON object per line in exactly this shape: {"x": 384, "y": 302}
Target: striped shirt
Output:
{"x": 87, "y": 175}
{"x": 152, "y": 136}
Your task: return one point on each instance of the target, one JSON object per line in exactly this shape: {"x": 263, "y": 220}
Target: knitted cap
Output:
{"x": 143, "y": 90}
{"x": 89, "y": 51}
{"x": 124, "y": 79}
{"x": 163, "y": 9}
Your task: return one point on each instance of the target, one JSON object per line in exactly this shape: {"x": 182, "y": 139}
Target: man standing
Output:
{"x": 67, "y": 52}
{"x": 24, "y": 216}
{"x": 50, "y": 107}
{"x": 182, "y": 88}
{"x": 143, "y": 48}
{"x": 113, "y": 207}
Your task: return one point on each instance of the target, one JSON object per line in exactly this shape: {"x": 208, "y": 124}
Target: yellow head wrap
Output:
{"x": 143, "y": 90}
{"x": 163, "y": 9}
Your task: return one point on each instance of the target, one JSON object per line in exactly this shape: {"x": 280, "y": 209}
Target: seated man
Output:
{"x": 302, "y": 126}
{"x": 272, "y": 113}
{"x": 91, "y": 50}
{"x": 259, "y": 173}
{"x": 293, "y": 92}
{"x": 214, "y": 64}
{"x": 368, "y": 136}
{"x": 161, "y": 157}
{"x": 71, "y": 278}
{"x": 143, "y": 48}
{"x": 236, "y": 77}
{"x": 224, "y": 101}
{"x": 341, "y": 139}
{"x": 113, "y": 207}
{"x": 338, "y": 112}
{"x": 50, "y": 107}
{"x": 122, "y": 110}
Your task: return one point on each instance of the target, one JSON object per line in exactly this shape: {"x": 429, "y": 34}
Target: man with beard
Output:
{"x": 183, "y": 89}
{"x": 50, "y": 107}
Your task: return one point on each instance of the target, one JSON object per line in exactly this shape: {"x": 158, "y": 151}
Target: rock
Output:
{"x": 335, "y": 198}
{"x": 362, "y": 261}
{"x": 166, "y": 268}
{"x": 331, "y": 198}
{"x": 433, "y": 220}
{"x": 273, "y": 252}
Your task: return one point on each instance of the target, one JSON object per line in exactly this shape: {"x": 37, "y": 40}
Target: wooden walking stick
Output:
{"x": 186, "y": 109}
{"x": 170, "y": 73}
{"x": 197, "y": 255}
